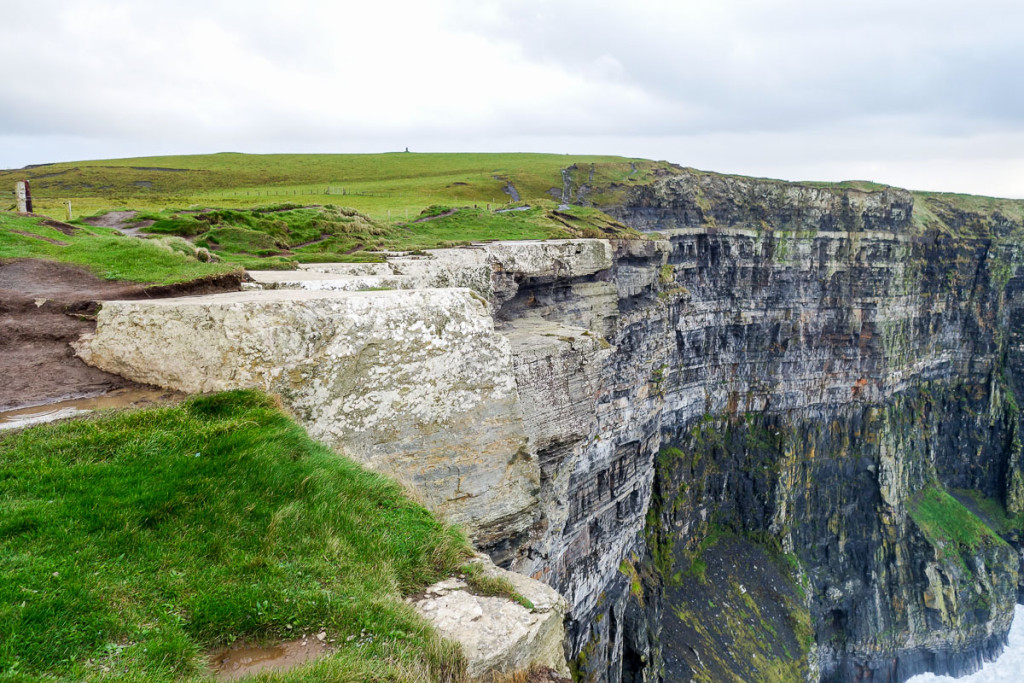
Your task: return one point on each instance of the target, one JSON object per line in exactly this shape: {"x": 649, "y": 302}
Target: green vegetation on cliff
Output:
{"x": 137, "y": 542}
{"x": 737, "y": 600}
{"x": 946, "y": 522}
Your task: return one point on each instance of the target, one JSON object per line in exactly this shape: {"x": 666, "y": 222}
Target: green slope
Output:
{"x": 132, "y": 544}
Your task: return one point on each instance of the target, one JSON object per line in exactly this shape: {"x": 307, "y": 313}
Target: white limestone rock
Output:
{"x": 415, "y": 384}
{"x": 497, "y": 634}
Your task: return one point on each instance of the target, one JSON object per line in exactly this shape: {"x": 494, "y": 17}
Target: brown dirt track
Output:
{"x": 44, "y": 305}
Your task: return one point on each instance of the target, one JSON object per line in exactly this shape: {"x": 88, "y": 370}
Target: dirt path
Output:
{"x": 427, "y": 219}
{"x": 123, "y": 221}
{"x": 45, "y": 305}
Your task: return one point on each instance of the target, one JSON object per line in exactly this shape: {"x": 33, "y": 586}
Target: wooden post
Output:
{"x": 69, "y": 209}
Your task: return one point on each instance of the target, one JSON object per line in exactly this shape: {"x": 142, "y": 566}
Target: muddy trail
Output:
{"x": 44, "y": 306}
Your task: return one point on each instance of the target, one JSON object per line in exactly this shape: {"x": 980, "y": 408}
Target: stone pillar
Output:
{"x": 21, "y": 192}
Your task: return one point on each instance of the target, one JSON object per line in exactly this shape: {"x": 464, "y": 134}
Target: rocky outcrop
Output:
{"x": 501, "y": 634}
{"x": 808, "y": 370}
{"x": 416, "y": 384}
{"x": 691, "y": 199}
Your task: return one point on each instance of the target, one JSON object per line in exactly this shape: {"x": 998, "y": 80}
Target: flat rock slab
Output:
{"x": 497, "y": 634}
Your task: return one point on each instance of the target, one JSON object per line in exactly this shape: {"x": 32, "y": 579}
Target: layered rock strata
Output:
{"x": 815, "y": 368}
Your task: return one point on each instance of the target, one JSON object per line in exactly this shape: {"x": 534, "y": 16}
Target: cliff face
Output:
{"x": 820, "y": 369}
{"x": 747, "y": 446}
{"x": 834, "y": 367}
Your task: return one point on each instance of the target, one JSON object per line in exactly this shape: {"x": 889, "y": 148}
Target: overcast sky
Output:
{"x": 924, "y": 94}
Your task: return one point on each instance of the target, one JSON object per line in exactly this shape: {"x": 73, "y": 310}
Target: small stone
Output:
{"x": 320, "y": 636}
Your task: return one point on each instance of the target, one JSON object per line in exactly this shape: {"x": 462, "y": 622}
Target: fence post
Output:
{"x": 69, "y": 209}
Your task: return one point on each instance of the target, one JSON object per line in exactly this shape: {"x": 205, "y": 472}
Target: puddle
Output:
{"x": 119, "y": 398}
{"x": 238, "y": 662}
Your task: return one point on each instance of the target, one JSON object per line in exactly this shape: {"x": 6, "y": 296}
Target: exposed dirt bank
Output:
{"x": 44, "y": 305}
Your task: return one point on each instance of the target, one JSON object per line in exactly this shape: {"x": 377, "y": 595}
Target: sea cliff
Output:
{"x": 752, "y": 447}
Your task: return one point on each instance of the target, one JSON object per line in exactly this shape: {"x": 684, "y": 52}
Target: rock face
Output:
{"x": 499, "y": 635}
{"x": 416, "y": 384}
{"x": 811, "y": 374}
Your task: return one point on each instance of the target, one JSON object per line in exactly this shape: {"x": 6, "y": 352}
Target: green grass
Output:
{"x": 993, "y": 512}
{"x": 141, "y": 540}
{"x": 944, "y": 520}
{"x": 482, "y": 584}
{"x": 393, "y": 189}
{"x": 280, "y": 237}
{"x": 104, "y": 252}
{"x": 400, "y": 184}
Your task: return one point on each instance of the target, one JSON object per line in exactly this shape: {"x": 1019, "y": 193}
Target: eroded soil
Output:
{"x": 44, "y": 306}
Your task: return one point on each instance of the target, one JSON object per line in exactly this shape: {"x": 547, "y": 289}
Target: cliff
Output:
{"x": 741, "y": 450}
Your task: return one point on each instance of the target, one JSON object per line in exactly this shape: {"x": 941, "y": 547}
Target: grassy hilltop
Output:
{"x": 276, "y": 211}
{"x": 401, "y": 183}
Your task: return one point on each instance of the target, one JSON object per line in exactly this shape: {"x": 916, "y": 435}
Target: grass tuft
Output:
{"x": 492, "y": 586}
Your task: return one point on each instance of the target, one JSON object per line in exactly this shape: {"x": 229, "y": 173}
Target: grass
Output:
{"x": 396, "y": 186}
{"x": 105, "y": 252}
{"x": 386, "y": 193}
{"x": 494, "y": 586}
{"x": 945, "y": 521}
{"x": 138, "y": 541}
{"x": 278, "y": 237}
{"x": 992, "y": 512}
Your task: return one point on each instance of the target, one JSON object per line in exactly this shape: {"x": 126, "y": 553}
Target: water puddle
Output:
{"x": 119, "y": 398}
{"x": 238, "y": 662}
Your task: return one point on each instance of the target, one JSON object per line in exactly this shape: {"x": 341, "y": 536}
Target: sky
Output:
{"x": 921, "y": 94}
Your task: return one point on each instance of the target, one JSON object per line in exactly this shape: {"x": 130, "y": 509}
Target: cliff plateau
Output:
{"x": 764, "y": 444}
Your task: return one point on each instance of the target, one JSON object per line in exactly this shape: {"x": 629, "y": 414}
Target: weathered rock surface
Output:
{"x": 499, "y": 635}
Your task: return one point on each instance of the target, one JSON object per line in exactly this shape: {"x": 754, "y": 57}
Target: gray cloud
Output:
{"x": 922, "y": 95}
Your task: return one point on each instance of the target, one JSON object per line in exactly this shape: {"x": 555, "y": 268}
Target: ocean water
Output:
{"x": 1009, "y": 668}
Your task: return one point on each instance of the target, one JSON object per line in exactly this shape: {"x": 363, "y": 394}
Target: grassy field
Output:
{"x": 396, "y": 186}
{"x": 132, "y": 544}
{"x": 275, "y": 211}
